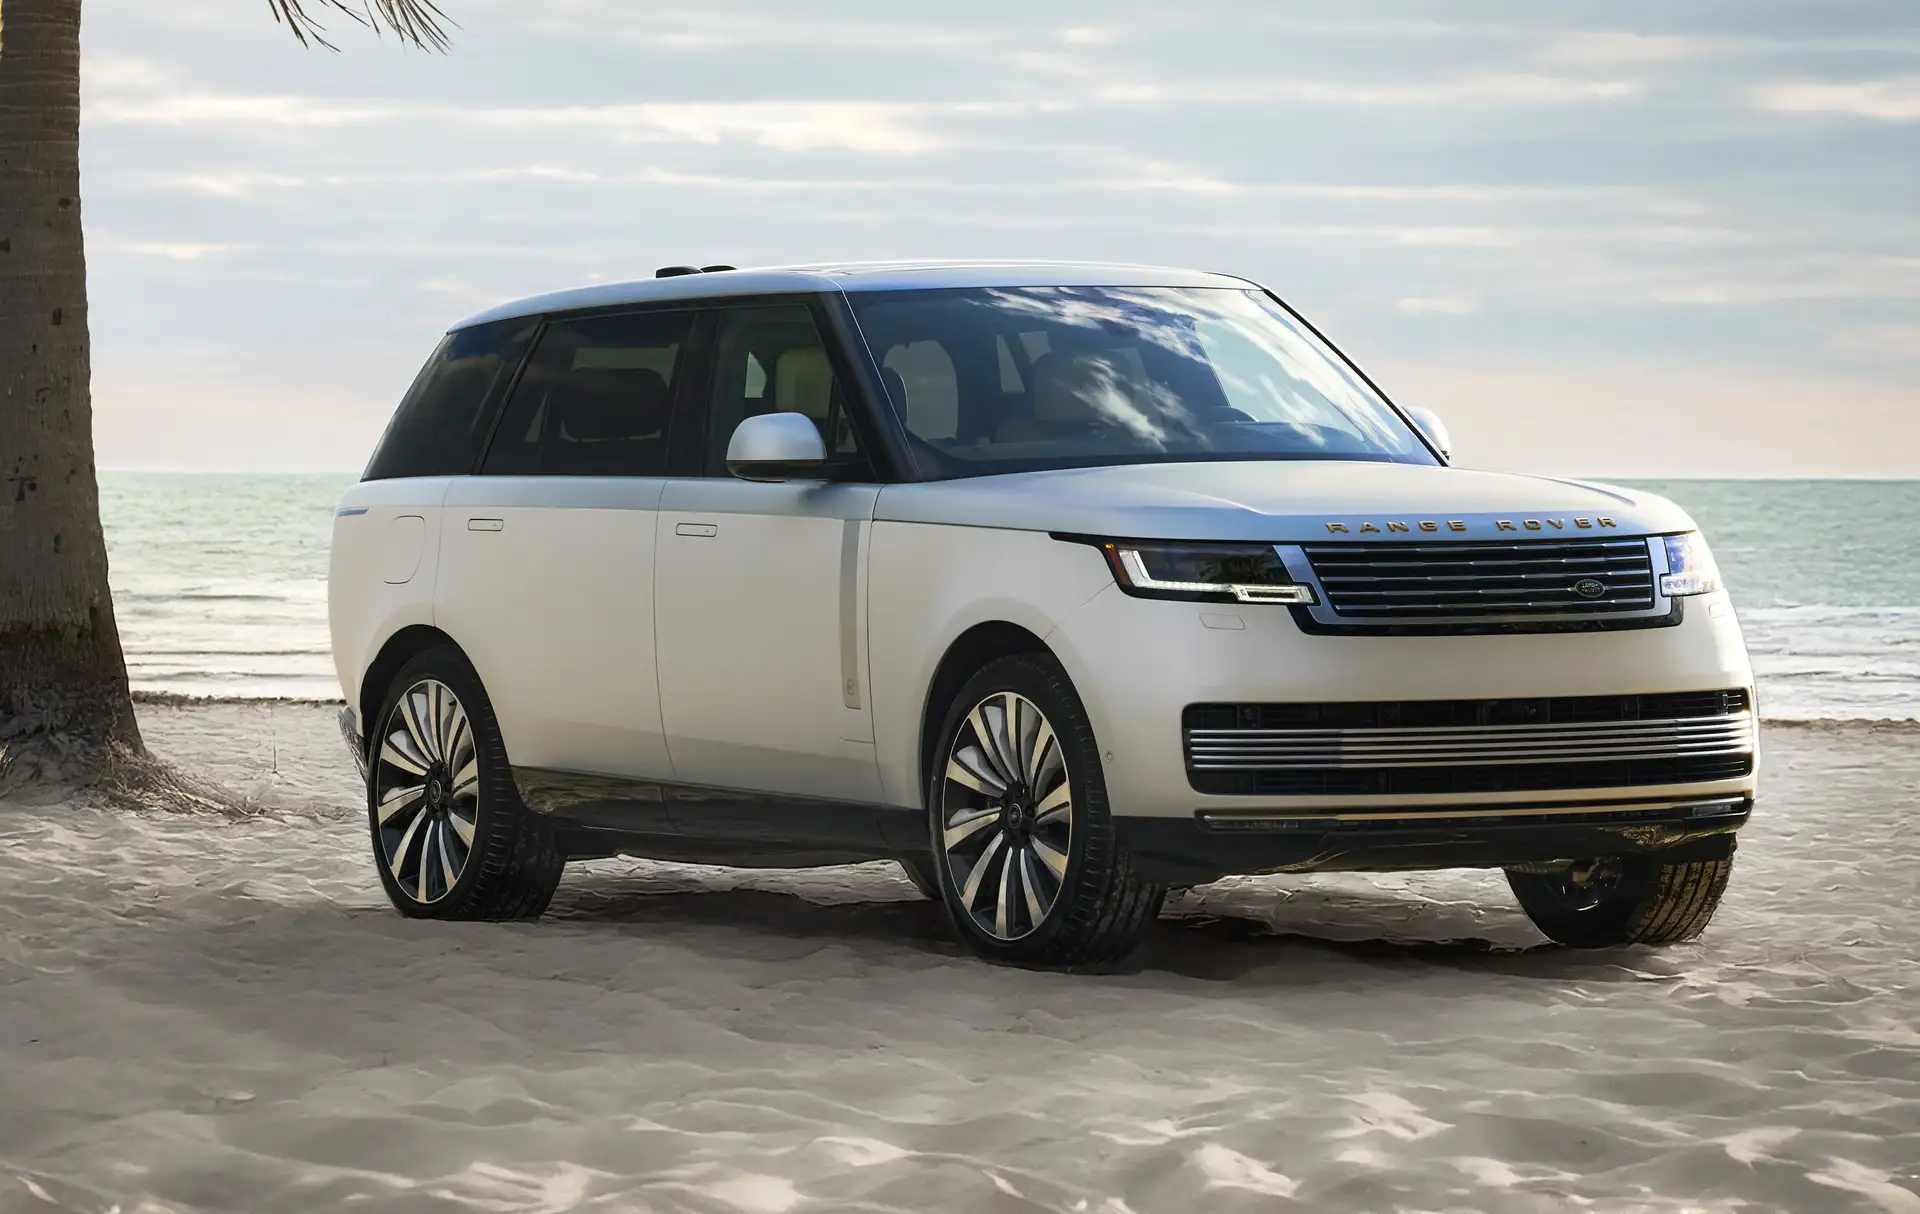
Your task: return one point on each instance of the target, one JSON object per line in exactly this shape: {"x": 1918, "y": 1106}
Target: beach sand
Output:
{"x": 210, "y": 1014}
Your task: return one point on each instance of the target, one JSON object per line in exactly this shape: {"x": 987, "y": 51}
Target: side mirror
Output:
{"x": 1433, "y": 429}
{"x": 777, "y": 447}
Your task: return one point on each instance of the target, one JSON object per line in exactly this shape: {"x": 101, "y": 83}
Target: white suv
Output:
{"x": 1060, "y": 585}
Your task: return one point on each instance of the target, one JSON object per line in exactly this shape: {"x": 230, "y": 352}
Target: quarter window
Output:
{"x": 442, "y": 424}
{"x": 596, "y": 399}
{"x": 772, "y": 360}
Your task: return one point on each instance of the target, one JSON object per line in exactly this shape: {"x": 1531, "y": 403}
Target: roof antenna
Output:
{"x": 675, "y": 271}
{"x": 716, "y": 269}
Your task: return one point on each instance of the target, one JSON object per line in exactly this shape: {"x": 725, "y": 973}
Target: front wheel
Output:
{"x": 1029, "y": 862}
{"x": 1620, "y": 900}
{"x": 919, "y": 871}
{"x": 450, "y": 835}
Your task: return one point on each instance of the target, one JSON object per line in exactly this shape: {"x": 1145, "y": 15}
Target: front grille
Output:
{"x": 1461, "y": 746}
{"x": 1414, "y": 582}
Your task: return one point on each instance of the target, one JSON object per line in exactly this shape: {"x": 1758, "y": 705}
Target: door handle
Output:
{"x": 703, "y": 530}
{"x": 486, "y": 524}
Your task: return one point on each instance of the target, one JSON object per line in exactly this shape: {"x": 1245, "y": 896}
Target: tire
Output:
{"x": 1100, "y": 908}
{"x": 1624, "y": 900}
{"x": 436, "y": 730}
{"x": 925, "y": 878}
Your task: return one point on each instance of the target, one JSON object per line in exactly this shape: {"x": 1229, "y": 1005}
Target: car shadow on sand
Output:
{"x": 1258, "y": 941}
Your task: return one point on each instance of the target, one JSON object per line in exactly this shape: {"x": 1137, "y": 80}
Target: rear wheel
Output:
{"x": 1028, "y": 859}
{"x": 1620, "y": 900}
{"x": 450, "y": 835}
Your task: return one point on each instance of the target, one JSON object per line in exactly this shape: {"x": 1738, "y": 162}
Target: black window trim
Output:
{"x": 692, "y": 361}
{"x": 491, "y": 406}
{"x": 878, "y": 431}
{"x": 878, "y": 426}
{"x": 854, "y": 388}
{"x": 900, "y": 444}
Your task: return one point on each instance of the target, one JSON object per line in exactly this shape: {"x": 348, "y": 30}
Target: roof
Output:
{"x": 855, "y": 276}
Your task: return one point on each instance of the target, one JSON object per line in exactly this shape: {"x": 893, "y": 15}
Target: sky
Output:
{"x": 1600, "y": 237}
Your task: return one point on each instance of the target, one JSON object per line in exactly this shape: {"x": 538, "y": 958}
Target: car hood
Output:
{"x": 1284, "y": 501}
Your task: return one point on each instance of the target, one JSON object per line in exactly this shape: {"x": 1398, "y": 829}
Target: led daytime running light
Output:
{"x": 1691, "y": 565}
{"x": 1135, "y": 569}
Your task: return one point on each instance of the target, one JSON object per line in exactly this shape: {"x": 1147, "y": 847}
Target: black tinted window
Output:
{"x": 771, "y": 360}
{"x": 443, "y": 422}
{"x": 595, "y": 400}
{"x": 1011, "y": 379}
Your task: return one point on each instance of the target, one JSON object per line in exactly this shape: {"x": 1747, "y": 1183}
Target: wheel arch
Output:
{"x": 972, "y": 649}
{"x": 400, "y": 648}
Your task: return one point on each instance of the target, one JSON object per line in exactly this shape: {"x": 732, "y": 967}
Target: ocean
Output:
{"x": 220, "y": 585}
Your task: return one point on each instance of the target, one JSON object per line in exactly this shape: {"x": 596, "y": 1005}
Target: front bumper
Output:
{"x": 1139, "y": 663}
{"x": 1202, "y": 848}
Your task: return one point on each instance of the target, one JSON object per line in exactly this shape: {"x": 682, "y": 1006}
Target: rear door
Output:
{"x": 760, "y": 599}
{"x": 547, "y": 572}
{"x": 386, "y": 538}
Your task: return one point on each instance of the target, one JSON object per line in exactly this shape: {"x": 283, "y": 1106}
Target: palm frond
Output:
{"x": 417, "y": 22}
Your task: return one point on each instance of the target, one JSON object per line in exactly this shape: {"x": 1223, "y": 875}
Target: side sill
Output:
{"x": 616, "y": 815}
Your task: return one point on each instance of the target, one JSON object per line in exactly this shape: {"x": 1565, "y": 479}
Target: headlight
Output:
{"x": 1245, "y": 573}
{"x": 1690, "y": 567}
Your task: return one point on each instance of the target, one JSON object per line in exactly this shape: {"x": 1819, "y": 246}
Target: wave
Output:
{"x": 178, "y": 654}
{"x": 182, "y": 699}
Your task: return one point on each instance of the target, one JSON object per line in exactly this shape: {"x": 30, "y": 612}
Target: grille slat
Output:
{"x": 1366, "y": 579}
{"x": 1430, "y": 581}
{"x": 1468, "y": 745}
{"x": 1625, "y": 558}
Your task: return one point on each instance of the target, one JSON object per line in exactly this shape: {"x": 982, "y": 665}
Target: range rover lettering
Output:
{"x": 1062, "y": 586}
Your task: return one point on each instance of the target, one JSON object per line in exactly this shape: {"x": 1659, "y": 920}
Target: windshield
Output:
{"x": 1012, "y": 379}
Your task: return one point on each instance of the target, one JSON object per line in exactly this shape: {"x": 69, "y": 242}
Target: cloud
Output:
{"x": 870, "y": 127}
{"x": 166, "y": 250}
{"x": 1621, "y": 48}
{"x": 1877, "y": 343}
{"x": 1888, "y": 100}
{"x": 1489, "y": 89}
{"x": 1436, "y": 305}
{"x": 1811, "y": 277}
{"x": 1463, "y": 186}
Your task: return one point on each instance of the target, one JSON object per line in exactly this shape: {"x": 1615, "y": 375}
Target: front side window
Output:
{"x": 1015, "y": 379}
{"x": 595, "y": 400}
{"x": 442, "y": 424}
{"x": 772, "y": 360}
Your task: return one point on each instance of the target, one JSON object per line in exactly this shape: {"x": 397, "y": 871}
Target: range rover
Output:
{"x": 1060, "y": 585}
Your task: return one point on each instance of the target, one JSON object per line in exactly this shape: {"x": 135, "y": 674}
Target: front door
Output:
{"x": 759, "y": 599}
{"x": 548, "y": 557}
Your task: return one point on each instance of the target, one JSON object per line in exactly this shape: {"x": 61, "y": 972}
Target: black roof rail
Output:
{"x": 716, "y": 269}
{"x": 675, "y": 271}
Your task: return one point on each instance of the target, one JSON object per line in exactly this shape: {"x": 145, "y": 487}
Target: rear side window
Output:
{"x": 441, "y": 426}
{"x": 595, "y": 400}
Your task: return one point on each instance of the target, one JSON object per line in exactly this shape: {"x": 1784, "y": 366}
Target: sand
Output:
{"x": 201, "y": 1014}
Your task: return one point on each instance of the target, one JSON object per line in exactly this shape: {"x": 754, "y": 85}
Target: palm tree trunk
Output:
{"x": 63, "y": 680}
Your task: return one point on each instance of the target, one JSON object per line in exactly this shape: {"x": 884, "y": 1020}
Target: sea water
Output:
{"x": 220, "y": 584}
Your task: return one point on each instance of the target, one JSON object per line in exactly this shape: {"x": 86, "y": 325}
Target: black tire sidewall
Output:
{"x": 1026, "y": 675}
{"x": 1608, "y": 925}
{"x": 496, "y": 800}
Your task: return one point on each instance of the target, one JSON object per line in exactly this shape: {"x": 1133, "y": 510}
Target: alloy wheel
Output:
{"x": 1006, "y": 815}
{"x": 427, "y": 791}
{"x": 1589, "y": 885}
